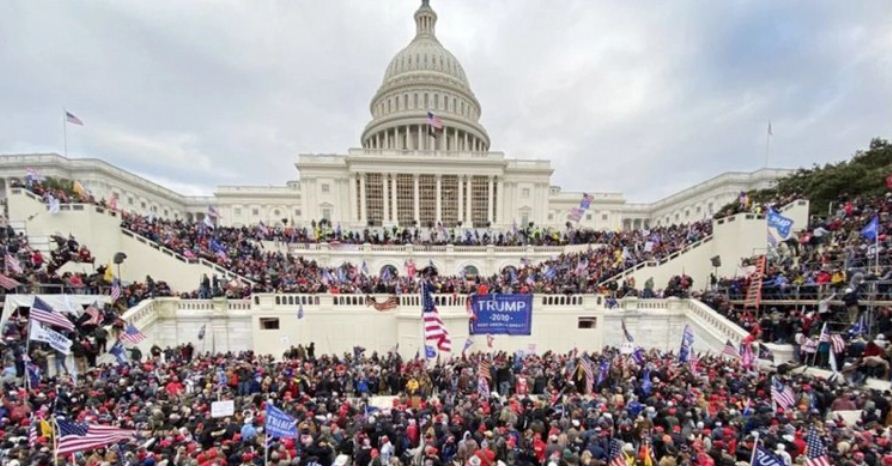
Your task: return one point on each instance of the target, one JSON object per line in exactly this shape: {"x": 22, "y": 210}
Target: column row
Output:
{"x": 418, "y": 137}
{"x": 380, "y": 195}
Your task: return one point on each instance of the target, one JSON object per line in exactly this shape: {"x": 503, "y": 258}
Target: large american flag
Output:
{"x": 434, "y": 328}
{"x": 815, "y": 453}
{"x": 42, "y": 312}
{"x": 782, "y": 394}
{"x": 132, "y": 335}
{"x": 69, "y": 117}
{"x": 837, "y": 343}
{"x": 616, "y": 454}
{"x": 77, "y": 437}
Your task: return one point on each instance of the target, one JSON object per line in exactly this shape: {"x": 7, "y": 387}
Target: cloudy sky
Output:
{"x": 643, "y": 97}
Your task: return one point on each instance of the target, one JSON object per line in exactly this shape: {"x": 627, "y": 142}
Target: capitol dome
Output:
{"x": 423, "y": 80}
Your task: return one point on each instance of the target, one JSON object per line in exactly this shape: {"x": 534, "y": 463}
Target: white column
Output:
{"x": 461, "y": 198}
{"x": 489, "y": 196}
{"x": 363, "y": 217}
{"x": 469, "y": 207}
{"x": 500, "y": 201}
{"x": 455, "y": 140}
{"x": 351, "y": 197}
{"x": 385, "y": 199}
{"x": 417, "y": 209}
{"x": 466, "y": 148}
{"x": 420, "y": 143}
{"x": 393, "y": 193}
{"x": 439, "y": 198}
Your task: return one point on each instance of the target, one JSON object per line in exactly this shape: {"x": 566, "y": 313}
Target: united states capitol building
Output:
{"x": 409, "y": 169}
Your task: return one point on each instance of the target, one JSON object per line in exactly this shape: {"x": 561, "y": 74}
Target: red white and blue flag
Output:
{"x": 132, "y": 335}
{"x": 42, "y": 312}
{"x": 435, "y": 123}
{"x": 434, "y": 328}
{"x": 73, "y": 119}
{"x": 77, "y": 437}
{"x": 816, "y": 452}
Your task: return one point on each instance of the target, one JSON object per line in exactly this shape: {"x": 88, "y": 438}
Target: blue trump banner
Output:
{"x": 779, "y": 227}
{"x": 279, "y": 423}
{"x": 502, "y": 314}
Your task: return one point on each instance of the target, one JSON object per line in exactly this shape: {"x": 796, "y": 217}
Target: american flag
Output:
{"x": 616, "y": 454}
{"x": 8, "y": 283}
{"x": 115, "y": 290}
{"x": 42, "y": 312}
{"x": 782, "y": 394}
{"x": 837, "y": 343}
{"x": 132, "y": 335}
{"x": 483, "y": 370}
{"x": 12, "y": 264}
{"x": 730, "y": 350}
{"x": 588, "y": 368}
{"x": 32, "y": 432}
{"x": 76, "y": 437}
{"x": 434, "y": 328}
{"x": 73, "y": 119}
{"x": 815, "y": 453}
{"x": 434, "y": 121}
{"x": 810, "y": 346}
{"x": 94, "y": 314}
{"x": 212, "y": 211}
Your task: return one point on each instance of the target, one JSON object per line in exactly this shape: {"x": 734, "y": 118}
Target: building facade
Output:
{"x": 424, "y": 160}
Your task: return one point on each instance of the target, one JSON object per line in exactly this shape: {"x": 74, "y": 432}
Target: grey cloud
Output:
{"x": 617, "y": 94}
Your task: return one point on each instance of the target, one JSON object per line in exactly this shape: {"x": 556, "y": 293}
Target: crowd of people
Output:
{"x": 239, "y": 250}
{"x": 479, "y": 409}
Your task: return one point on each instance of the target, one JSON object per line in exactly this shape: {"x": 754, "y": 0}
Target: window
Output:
{"x": 525, "y": 192}
{"x": 374, "y": 190}
{"x": 604, "y": 217}
{"x": 130, "y": 200}
{"x": 326, "y": 213}
{"x": 449, "y": 200}
{"x": 269, "y": 323}
{"x": 326, "y": 187}
{"x": 255, "y": 211}
{"x": 588, "y": 217}
{"x": 587, "y": 323}
{"x": 276, "y": 212}
{"x": 405, "y": 199}
{"x": 297, "y": 212}
{"x": 238, "y": 211}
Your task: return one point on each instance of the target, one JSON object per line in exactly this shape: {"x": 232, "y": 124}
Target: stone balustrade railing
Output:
{"x": 423, "y": 249}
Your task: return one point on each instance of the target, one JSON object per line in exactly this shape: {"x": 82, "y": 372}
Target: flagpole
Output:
{"x": 755, "y": 446}
{"x": 55, "y": 442}
{"x": 767, "y": 144}
{"x": 65, "y": 130}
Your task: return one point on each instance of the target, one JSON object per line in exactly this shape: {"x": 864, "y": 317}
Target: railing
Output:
{"x": 716, "y": 321}
{"x": 658, "y": 262}
{"x": 423, "y": 249}
{"x": 877, "y": 293}
{"x": 216, "y": 267}
{"x": 51, "y": 289}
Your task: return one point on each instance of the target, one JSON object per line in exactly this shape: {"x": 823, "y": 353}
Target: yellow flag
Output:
{"x": 108, "y": 276}
{"x": 79, "y": 189}
{"x": 46, "y": 430}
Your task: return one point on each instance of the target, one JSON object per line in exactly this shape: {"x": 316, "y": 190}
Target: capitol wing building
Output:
{"x": 425, "y": 159}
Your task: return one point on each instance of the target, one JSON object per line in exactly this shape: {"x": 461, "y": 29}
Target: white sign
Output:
{"x": 55, "y": 339}
{"x": 220, "y": 409}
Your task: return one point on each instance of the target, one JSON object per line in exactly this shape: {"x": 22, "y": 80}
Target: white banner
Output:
{"x": 56, "y": 340}
{"x": 220, "y": 409}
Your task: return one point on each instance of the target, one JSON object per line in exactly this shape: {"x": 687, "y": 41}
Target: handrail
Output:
{"x": 658, "y": 262}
